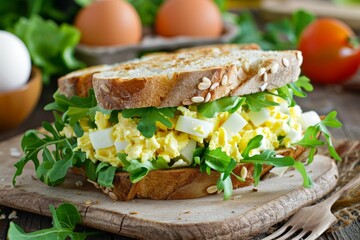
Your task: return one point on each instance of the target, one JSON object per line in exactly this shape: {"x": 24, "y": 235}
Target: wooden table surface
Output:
{"x": 345, "y": 100}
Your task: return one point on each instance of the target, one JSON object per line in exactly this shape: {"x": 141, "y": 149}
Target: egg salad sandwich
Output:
{"x": 180, "y": 125}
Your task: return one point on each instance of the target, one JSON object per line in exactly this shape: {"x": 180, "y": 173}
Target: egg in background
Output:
{"x": 196, "y": 18}
{"x": 15, "y": 62}
{"x": 109, "y": 23}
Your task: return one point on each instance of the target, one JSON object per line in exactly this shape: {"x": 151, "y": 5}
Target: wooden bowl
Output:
{"x": 16, "y": 105}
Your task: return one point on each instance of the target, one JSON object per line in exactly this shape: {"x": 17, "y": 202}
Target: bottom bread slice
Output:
{"x": 183, "y": 183}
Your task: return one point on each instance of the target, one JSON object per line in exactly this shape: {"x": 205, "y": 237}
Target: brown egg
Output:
{"x": 109, "y": 22}
{"x": 198, "y": 18}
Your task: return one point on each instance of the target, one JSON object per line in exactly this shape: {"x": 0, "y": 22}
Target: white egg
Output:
{"x": 15, "y": 62}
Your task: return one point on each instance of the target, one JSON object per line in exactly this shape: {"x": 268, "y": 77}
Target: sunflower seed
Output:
{"x": 197, "y": 99}
{"x": 212, "y": 189}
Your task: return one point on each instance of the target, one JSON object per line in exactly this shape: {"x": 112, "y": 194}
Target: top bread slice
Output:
{"x": 201, "y": 75}
{"x": 79, "y": 82}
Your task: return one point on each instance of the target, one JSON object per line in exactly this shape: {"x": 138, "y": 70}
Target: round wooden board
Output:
{"x": 247, "y": 213}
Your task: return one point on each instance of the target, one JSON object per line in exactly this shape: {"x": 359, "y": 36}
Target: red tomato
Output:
{"x": 328, "y": 55}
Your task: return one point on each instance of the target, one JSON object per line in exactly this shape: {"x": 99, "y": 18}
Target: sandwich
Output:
{"x": 180, "y": 125}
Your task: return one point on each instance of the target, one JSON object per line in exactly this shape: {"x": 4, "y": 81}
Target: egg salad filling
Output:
{"x": 212, "y": 136}
{"x": 280, "y": 126}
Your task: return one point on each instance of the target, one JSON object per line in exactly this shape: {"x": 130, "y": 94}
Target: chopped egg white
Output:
{"x": 194, "y": 126}
{"x": 102, "y": 138}
{"x": 258, "y": 118}
{"x": 234, "y": 124}
{"x": 310, "y": 118}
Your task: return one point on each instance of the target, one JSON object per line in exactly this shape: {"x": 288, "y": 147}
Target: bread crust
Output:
{"x": 184, "y": 183}
{"x": 79, "y": 82}
{"x": 269, "y": 70}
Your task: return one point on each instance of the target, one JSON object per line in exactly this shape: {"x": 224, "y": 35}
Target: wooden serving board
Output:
{"x": 246, "y": 214}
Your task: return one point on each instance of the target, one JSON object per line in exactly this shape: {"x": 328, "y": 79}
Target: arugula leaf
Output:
{"x": 257, "y": 173}
{"x": 257, "y": 101}
{"x": 286, "y": 93}
{"x": 268, "y": 157}
{"x": 90, "y": 168}
{"x": 139, "y": 170}
{"x": 148, "y": 118}
{"x": 228, "y": 187}
{"x": 56, "y": 152}
{"x": 225, "y": 104}
{"x": 65, "y": 218}
{"x": 310, "y": 137}
{"x": 254, "y": 143}
{"x": 76, "y": 108}
{"x": 62, "y": 103}
{"x": 298, "y": 86}
{"x": 106, "y": 176}
{"x": 217, "y": 160}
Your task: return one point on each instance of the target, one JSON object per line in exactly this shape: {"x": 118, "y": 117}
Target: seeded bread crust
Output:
{"x": 252, "y": 72}
{"x": 79, "y": 82}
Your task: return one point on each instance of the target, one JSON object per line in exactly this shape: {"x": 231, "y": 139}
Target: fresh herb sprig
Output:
{"x": 56, "y": 151}
{"x": 311, "y": 141}
{"x": 139, "y": 170}
{"x": 65, "y": 219}
{"x": 279, "y": 35}
{"x": 54, "y": 53}
{"x": 298, "y": 89}
{"x": 76, "y": 107}
{"x": 148, "y": 118}
{"x": 225, "y": 104}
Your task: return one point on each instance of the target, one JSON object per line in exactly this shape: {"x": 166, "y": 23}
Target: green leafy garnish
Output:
{"x": 225, "y": 104}
{"x": 148, "y": 118}
{"x": 280, "y": 35}
{"x": 139, "y": 170}
{"x": 76, "y": 108}
{"x": 147, "y": 10}
{"x": 257, "y": 101}
{"x": 310, "y": 139}
{"x": 51, "y": 46}
{"x": 222, "y": 163}
{"x": 105, "y": 175}
{"x": 269, "y": 157}
{"x": 219, "y": 161}
{"x": 56, "y": 151}
{"x": 65, "y": 218}
{"x": 298, "y": 87}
